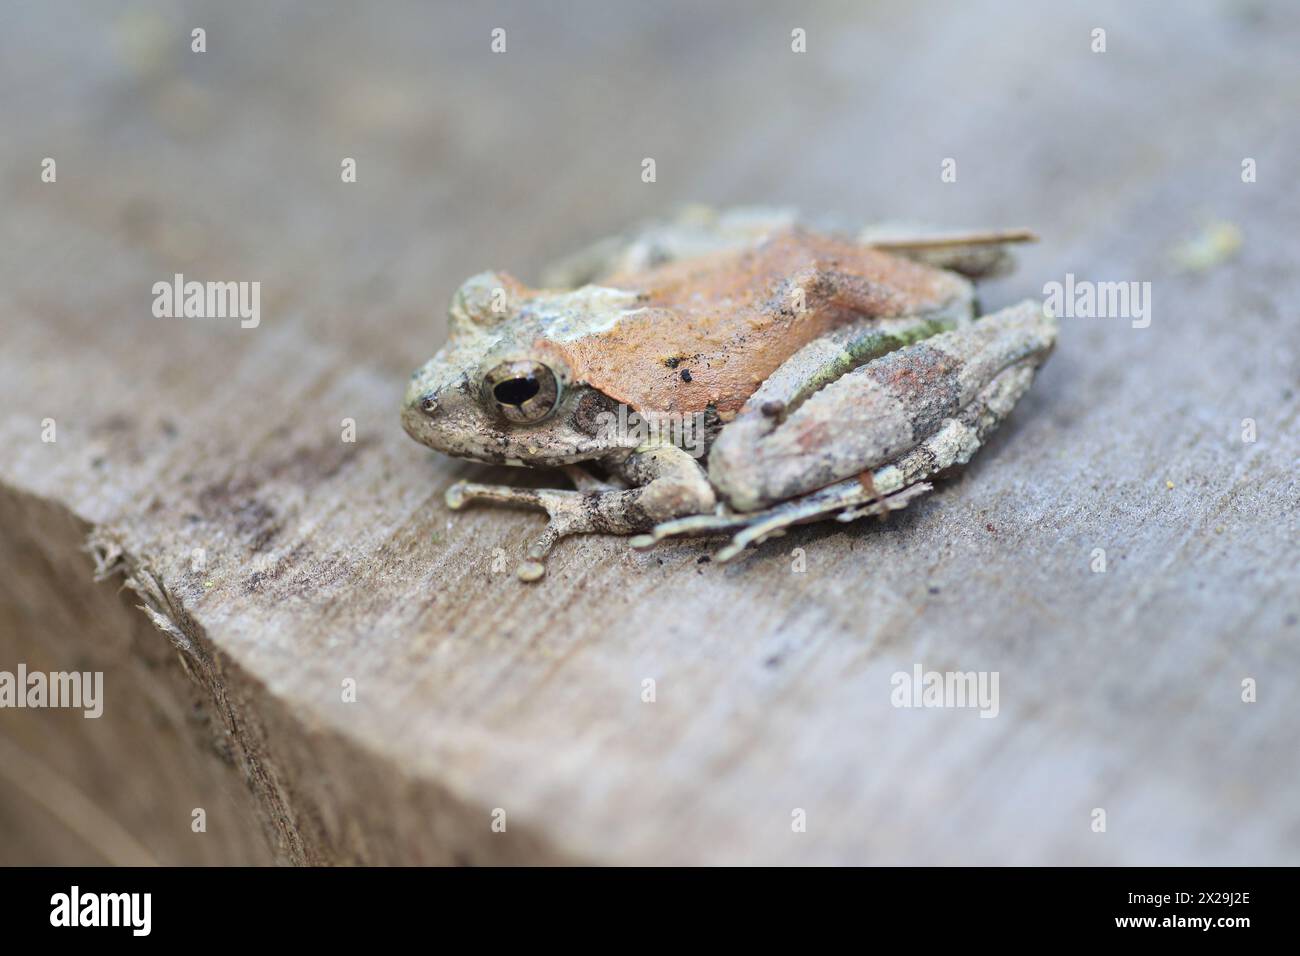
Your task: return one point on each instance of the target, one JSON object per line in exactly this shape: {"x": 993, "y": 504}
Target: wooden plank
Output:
{"x": 327, "y": 561}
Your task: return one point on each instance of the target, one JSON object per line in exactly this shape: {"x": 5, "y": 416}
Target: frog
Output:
{"x": 820, "y": 374}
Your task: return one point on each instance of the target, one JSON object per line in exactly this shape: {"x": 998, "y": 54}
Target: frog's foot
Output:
{"x": 846, "y": 501}
{"x": 570, "y": 512}
{"x": 666, "y": 482}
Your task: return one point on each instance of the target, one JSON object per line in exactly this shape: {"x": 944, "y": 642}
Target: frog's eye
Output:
{"x": 522, "y": 392}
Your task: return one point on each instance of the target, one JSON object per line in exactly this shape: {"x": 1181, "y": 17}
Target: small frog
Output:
{"x": 817, "y": 375}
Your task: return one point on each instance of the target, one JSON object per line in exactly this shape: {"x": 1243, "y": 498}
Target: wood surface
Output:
{"x": 328, "y": 561}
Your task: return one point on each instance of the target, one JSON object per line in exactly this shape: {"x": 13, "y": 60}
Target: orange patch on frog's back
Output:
{"x": 728, "y": 320}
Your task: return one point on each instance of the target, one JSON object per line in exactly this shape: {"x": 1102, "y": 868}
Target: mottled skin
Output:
{"x": 731, "y": 318}
{"x": 809, "y": 359}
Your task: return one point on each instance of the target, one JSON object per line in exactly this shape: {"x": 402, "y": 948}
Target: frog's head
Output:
{"x": 496, "y": 393}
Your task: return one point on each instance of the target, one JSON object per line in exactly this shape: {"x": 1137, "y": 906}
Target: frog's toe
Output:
{"x": 845, "y": 501}
{"x": 455, "y": 496}
{"x": 531, "y": 571}
{"x": 568, "y": 516}
{"x": 746, "y": 528}
{"x": 690, "y": 526}
{"x": 551, "y": 500}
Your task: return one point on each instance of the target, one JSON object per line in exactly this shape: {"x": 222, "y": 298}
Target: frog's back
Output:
{"x": 709, "y": 330}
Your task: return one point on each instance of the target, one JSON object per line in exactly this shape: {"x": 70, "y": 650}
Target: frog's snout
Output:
{"x": 444, "y": 418}
{"x": 420, "y": 410}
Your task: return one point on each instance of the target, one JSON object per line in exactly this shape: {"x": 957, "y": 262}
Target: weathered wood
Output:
{"x": 328, "y": 561}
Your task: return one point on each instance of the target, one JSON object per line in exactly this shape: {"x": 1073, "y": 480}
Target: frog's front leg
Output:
{"x": 666, "y": 483}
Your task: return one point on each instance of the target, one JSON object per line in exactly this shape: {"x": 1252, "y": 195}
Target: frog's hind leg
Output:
{"x": 816, "y": 441}
{"x": 806, "y": 428}
{"x": 874, "y": 492}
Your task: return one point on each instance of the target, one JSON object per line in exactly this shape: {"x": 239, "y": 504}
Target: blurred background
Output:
{"x": 225, "y": 164}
